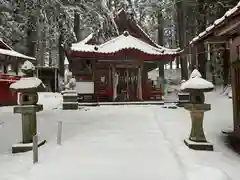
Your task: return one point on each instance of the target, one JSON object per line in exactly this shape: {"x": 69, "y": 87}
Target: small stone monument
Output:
{"x": 27, "y": 87}
{"x": 196, "y": 86}
{"x": 69, "y": 94}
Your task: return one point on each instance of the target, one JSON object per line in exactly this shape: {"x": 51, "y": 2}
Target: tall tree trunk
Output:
{"x": 77, "y": 26}
{"x": 182, "y": 37}
{"x": 160, "y": 41}
{"x": 201, "y": 21}
{"x": 225, "y": 59}
{"x": 32, "y": 36}
{"x": 61, "y": 55}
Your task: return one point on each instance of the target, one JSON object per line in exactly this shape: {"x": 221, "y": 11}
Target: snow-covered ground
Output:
{"x": 120, "y": 142}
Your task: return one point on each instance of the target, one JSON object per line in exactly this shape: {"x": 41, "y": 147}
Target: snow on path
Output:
{"x": 124, "y": 143}
{"x": 177, "y": 125}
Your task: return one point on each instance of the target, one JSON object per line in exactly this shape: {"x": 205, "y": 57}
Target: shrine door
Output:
{"x": 127, "y": 84}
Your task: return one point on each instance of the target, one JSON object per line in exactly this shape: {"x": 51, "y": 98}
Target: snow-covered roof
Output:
{"x": 87, "y": 39}
{"x": 123, "y": 42}
{"x": 7, "y": 46}
{"x": 217, "y": 23}
{"x": 15, "y": 54}
{"x": 120, "y": 10}
{"x": 83, "y": 46}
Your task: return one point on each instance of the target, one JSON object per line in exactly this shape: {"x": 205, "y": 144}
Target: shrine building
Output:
{"x": 117, "y": 70}
{"x": 10, "y": 64}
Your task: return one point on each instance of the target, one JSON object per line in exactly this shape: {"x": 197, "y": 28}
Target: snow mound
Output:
{"x": 207, "y": 173}
{"x": 50, "y": 100}
{"x": 195, "y": 73}
{"x": 197, "y": 83}
{"x": 230, "y": 93}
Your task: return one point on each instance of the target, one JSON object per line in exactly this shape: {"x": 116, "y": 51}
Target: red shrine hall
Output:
{"x": 117, "y": 70}
{"x": 10, "y": 64}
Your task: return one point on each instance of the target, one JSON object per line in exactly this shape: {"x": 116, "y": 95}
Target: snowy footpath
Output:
{"x": 127, "y": 142}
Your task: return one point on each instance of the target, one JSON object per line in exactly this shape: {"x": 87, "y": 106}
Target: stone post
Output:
{"x": 197, "y": 133}
{"x": 29, "y": 126}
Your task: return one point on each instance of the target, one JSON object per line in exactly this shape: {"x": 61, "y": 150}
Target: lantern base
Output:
{"x": 24, "y": 147}
{"x": 70, "y": 100}
{"x": 201, "y": 146}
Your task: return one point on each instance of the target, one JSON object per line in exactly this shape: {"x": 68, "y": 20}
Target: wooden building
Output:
{"x": 10, "y": 64}
{"x": 227, "y": 30}
{"x": 10, "y": 60}
{"x": 49, "y": 76}
{"x": 118, "y": 69}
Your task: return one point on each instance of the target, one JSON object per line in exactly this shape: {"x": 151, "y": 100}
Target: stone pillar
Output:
{"x": 29, "y": 127}
{"x": 197, "y": 133}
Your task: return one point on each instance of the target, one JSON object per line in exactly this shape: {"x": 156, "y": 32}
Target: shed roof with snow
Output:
{"x": 217, "y": 23}
{"x": 6, "y": 50}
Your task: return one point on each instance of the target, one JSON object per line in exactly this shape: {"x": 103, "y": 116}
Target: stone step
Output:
{"x": 69, "y": 106}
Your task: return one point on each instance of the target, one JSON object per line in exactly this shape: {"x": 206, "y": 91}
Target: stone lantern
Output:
{"x": 27, "y": 87}
{"x": 196, "y": 86}
{"x": 70, "y": 95}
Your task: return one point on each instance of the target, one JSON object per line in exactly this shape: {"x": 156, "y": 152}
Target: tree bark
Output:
{"x": 32, "y": 36}
{"x": 160, "y": 41}
{"x": 61, "y": 55}
{"x": 201, "y": 21}
{"x": 182, "y": 38}
{"x": 77, "y": 26}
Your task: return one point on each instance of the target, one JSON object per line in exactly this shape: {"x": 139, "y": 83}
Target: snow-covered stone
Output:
{"x": 66, "y": 61}
{"x": 27, "y": 83}
{"x": 195, "y": 73}
{"x": 27, "y": 65}
{"x": 197, "y": 83}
